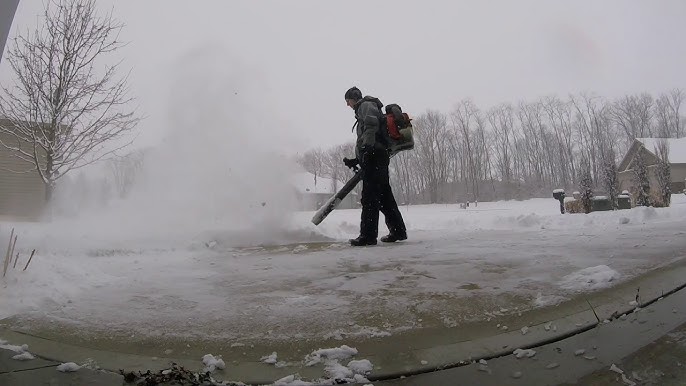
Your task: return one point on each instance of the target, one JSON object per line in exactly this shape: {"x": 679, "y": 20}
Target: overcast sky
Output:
{"x": 299, "y": 57}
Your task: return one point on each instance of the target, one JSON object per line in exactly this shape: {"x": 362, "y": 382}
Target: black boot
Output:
{"x": 362, "y": 241}
{"x": 391, "y": 238}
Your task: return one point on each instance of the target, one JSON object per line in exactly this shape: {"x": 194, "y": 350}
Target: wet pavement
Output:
{"x": 660, "y": 363}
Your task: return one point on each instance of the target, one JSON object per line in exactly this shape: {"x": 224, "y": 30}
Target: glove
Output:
{"x": 351, "y": 163}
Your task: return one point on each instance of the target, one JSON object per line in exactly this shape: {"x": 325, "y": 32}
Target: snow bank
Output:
{"x": 181, "y": 225}
{"x": 501, "y": 215}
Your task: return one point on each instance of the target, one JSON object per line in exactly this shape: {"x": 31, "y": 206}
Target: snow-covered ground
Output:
{"x": 238, "y": 280}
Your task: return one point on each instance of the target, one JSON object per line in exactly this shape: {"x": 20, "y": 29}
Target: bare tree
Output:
{"x": 633, "y": 115}
{"x": 595, "y": 131}
{"x": 501, "y": 119}
{"x": 313, "y": 162}
{"x": 67, "y": 109}
{"x": 668, "y": 113}
{"x": 559, "y": 115}
{"x": 125, "y": 170}
{"x": 431, "y": 147}
{"x": 525, "y": 151}
{"x": 407, "y": 181}
{"x": 334, "y": 166}
{"x": 538, "y": 151}
{"x": 466, "y": 122}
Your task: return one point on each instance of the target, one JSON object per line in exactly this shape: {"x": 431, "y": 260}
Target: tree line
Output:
{"x": 517, "y": 151}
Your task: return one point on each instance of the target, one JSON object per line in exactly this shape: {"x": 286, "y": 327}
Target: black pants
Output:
{"x": 378, "y": 196}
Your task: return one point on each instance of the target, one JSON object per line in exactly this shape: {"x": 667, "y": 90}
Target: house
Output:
{"x": 313, "y": 191}
{"x": 7, "y": 11}
{"x": 22, "y": 191}
{"x": 648, "y": 148}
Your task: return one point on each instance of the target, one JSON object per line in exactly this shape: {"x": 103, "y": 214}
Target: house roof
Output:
{"x": 677, "y": 148}
{"x": 307, "y": 183}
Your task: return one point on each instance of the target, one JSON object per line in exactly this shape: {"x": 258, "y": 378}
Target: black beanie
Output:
{"x": 353, "y": 93}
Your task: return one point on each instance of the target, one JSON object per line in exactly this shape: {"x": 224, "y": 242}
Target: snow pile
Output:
{"x": 18, "y": 349}
{"x": 271, "y": 359}
{"x": 591, "y": 278}
{"x": 22, "y": 351}
{"x": 212, "y": 363}
{"x": 363, "y": 366}
{"x": 354, "y": 372}
{"x": 338, "y": 353}
{"x": 68, "y": 367}
{"x": 519, "y": 353}
{"x": 335, "y": 372}
{"x": 292, "y": 380}
{"x": 25, "y": 356}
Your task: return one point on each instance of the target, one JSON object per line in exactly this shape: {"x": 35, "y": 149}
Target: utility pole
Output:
{"x": 7, "y": 10}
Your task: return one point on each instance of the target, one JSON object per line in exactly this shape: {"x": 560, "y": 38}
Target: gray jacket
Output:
{"x": 370, "y": 133}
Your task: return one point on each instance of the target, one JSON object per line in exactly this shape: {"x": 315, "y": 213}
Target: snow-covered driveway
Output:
{"x": 302, "y": 281}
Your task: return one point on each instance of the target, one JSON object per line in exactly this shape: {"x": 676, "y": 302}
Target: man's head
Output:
{"x": 352, "y": 96}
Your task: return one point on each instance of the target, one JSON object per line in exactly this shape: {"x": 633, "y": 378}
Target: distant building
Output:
{"x": 647, "y": 147}
{"x": 22, "y": 191}
{"x": 313, "y": 191}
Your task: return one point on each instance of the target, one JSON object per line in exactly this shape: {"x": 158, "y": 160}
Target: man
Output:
{"x": 372, "y": 155}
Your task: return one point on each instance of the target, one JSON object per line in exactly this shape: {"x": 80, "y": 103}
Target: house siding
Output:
{"x": 626, "y": 173}
{"x": 22, "y": 192}
{"x": 678, "y": 174}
